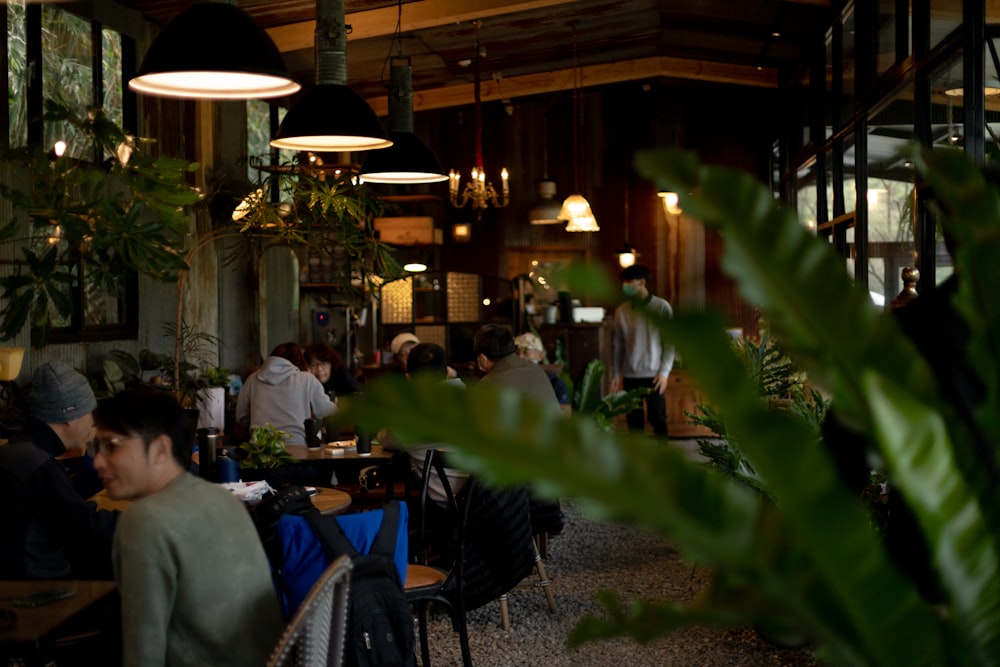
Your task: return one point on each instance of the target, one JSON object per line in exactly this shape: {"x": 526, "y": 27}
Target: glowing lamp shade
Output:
{"x": 331, "y": 117}
{"x": 461, "y": 232}
{"x": 10, "y": 362}
{"x": 627, "y": 256}
{"x": 671, "y": 203}
{"x": 415, "y": 267}
{"x": 407, "y": 161}
{"x": 213, "y": 51}
{"x": 576, "y": 210}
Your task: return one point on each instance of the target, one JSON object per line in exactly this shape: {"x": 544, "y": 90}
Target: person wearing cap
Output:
{"x": 400, "y": 348}
{"x": 529, "y": 346}
{"x": 49, "y": 531}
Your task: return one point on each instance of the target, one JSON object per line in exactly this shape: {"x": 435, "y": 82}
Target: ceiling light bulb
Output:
{"x": 671, "y": 202}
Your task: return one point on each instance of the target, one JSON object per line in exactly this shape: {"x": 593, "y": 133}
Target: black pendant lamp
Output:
{"x": 213, "y": 51}
{"x": 331, "y": 117}
{"x": 408, "y": 160}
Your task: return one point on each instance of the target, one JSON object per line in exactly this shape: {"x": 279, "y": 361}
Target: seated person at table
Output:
{"x": 195, "y": 584}
{"x": 429, "y": 358}
{"x": 494, "y": 348}
{"x": 400, "y": 347}
{"x": 283, "y": 393}
{"x": 49, "y": 531}
{"x": 529, "y": 346}
{"x": 331, "y": 371}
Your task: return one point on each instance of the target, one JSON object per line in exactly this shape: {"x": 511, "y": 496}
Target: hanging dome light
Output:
{"x": 331, "y": 117}
{"x": 408, "y": 160}
{"x": 671, "y": 202}
{"x": 193, "y": 58}
{"x": 627, "y": 255}
{"x": 545, "y": 211}
{"x": 576, "y": 210}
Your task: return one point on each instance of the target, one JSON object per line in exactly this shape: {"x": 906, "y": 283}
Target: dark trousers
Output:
{"x": 656, "y": 408}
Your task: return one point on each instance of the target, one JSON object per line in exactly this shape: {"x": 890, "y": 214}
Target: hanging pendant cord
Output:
{"x": 479, "y": 104}
{"x": 577, "y": 116}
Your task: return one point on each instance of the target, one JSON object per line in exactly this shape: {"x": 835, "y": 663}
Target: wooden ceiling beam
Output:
{"x": 415, "y": 16}
{"x": 592, "y": 75}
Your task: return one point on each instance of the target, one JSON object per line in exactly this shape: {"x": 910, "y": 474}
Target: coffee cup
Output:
{"x": 364, "y": 444}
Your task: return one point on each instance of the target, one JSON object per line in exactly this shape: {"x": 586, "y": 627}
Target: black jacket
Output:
{"x": 48, "y": 530}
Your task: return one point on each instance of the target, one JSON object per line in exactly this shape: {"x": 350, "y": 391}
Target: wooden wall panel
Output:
{"x": 536, "y": 138}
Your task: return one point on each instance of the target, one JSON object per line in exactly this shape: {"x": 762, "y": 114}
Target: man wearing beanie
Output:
{"x": 49, "y": 531}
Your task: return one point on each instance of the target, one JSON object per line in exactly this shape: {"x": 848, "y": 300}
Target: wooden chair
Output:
{"x": 543, "y": 582}
{"x": 315, "y": 635}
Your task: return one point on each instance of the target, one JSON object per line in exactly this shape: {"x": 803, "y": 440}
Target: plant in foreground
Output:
{"x": 806, "y": 557}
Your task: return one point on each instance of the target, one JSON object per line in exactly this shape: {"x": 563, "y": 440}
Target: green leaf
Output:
{"x": 921, "y": 459}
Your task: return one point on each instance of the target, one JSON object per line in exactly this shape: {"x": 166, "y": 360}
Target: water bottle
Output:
{"x": 226, "y": 468}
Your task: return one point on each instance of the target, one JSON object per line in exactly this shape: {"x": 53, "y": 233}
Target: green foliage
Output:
{"x": 216, "y": 376}
{"x": 127, "y": 214}
{"x": 332, "y": 214}
{"x": 120, "y": 369}
{"x": 780, "y": 384}
{"x": 129, "y": 211}
{"x": 587, "y": 397}
{"x": 266, "y": 448}
{"x": 809, "y": 562}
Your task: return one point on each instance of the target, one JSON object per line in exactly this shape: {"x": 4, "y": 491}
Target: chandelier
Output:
{"x": 478, "y": 192}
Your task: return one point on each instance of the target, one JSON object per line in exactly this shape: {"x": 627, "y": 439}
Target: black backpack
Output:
{"x": 379, "y": 622}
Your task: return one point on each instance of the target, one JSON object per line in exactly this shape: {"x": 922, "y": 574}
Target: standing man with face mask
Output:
{"x": 640, "y": 357}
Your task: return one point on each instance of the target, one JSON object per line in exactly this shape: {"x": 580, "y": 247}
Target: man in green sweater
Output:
{"x": 195, "y": 584}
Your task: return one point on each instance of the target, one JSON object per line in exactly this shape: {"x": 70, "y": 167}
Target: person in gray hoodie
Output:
{"x": 283, "y": 393}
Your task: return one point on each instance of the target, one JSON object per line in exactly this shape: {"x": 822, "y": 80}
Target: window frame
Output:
{"x": 127, "y": 327}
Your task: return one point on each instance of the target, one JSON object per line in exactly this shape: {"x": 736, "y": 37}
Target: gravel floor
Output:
{"x": 587, "y": 557}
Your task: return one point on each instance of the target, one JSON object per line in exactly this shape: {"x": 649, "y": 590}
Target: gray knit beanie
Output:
{"x": 60, "y": 394}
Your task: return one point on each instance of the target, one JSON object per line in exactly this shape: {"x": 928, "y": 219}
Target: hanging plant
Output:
{"x": 329, "y": 212}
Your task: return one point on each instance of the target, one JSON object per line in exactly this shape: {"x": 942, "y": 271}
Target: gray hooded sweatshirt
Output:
{"x": 282, "y": 395}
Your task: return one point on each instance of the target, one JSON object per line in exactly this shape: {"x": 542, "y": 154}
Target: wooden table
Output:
{"x": 302, "y": 453}
{"x": 346, "y": 462}
{"x": 34, "y": 624}
{"x": 327, "y": 501}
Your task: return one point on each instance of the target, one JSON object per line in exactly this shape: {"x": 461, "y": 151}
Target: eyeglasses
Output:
{"x": 316, "y": 365}
{"x": 105, "y": 447}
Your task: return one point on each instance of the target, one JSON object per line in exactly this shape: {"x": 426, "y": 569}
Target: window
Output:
{"x": 82, "y": 65}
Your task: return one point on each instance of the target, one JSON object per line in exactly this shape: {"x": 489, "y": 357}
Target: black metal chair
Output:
{"x": 493, "y": 551}
{"x": 425, "y": 583}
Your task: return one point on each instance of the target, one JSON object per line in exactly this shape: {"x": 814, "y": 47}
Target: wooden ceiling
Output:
{"x": 529, "y": 44}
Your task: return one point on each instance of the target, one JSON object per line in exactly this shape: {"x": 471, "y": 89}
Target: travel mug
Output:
{"x": 364, "y": 444}
{"x": 208, "y": 441}
{"x": 313, "y": 437}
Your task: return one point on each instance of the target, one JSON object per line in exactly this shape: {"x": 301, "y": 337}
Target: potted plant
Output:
{"x": 265, "y": 456}
{"x": 588, "y": 400}
{"x": 781, "y": 385}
